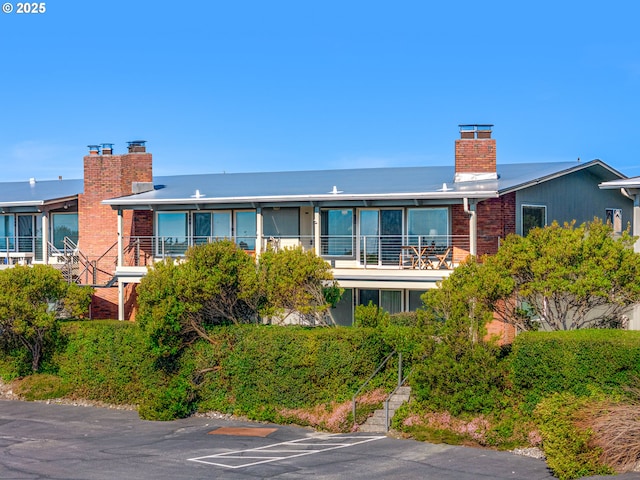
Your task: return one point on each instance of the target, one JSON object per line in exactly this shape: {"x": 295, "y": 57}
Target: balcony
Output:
{"x": 400, "y": 252}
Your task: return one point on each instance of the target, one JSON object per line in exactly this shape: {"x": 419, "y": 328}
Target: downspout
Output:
{"x": 120, "y": 264}
{"x": 470, "y": 208}
{"x": 45, "y": 238}
{"x": 316, "y": 230}
{"x": 259, "y": 223}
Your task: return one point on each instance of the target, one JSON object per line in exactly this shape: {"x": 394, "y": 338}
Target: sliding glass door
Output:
{"x": 380, "y": 236}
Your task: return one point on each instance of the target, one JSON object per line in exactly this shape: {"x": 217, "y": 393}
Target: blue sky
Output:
{"x": 249, "y": 85}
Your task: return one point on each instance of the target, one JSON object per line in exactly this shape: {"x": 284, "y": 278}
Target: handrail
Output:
{"x": 386, "y": 402}
{"x": 366, "y": 382}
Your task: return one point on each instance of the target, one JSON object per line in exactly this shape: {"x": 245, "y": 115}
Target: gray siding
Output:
{"x": 573, "y": 197}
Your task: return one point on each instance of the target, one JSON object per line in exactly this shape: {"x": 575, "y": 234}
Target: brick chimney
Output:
{"x": 475, "y": 154}
{"x": 108, "y": 176}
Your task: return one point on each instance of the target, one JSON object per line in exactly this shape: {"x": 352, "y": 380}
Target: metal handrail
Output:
{"x": 366, "y": 382}
{"x": 386, "y": 402}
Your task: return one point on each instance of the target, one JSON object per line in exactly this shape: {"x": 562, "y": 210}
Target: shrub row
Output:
{"x": 543, "y": 363}
{"x": 250, "y": 370}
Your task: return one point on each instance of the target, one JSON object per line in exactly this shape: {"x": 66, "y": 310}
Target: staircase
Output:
{"x": 381, "y": 419}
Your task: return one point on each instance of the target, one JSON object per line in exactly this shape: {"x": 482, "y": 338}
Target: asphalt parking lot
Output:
{"x": 42, "y": 441}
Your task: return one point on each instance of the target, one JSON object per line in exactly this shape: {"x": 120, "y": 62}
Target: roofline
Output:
{"x": 132, "y": 201}
{"x": 562, "y": 173}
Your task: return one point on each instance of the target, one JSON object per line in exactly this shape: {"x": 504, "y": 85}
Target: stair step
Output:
{"x": 372, "y": 428}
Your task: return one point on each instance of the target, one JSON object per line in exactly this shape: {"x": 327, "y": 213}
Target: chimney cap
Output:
{"x": 475, "y": 130}
{"x": 137, "y": 143}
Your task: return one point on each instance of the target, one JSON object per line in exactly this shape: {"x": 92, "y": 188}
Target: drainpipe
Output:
{"x": 120, "y": 264}
{"x": 258, "y": 231}
{"x": 45, "y": 238}
{"x": 470, "y": 208}
{"x": 316, "y": 230}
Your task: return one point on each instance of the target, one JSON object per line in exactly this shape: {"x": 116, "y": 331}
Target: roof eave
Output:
{"x": 130, "y": 202}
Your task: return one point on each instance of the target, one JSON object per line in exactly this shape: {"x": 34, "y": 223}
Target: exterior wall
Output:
{"x": 496, "y": 218}
{"x": 574, "y": 197}
{"x": 109, "y": 176}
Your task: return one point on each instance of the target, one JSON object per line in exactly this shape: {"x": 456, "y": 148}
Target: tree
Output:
{"x": 31, "y": 299}
{"x": 216, "y": 285}
{"x": 556, "y": 278}
{"x": 296, "y": 283}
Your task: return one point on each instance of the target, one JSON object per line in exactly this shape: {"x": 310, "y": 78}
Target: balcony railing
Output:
{"x": 367, "y": 251}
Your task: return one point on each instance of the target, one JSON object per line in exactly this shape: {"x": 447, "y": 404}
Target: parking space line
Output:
{"x": 310, "y": 446}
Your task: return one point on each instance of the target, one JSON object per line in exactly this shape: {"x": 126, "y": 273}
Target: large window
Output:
{"x": 64, "y": 225}
{"x": 7, "y": 233}
{"x": 246, "y": 229}
{"x": 533, "y": 216}
{"x": 380, "y": 236}
{"x": 281, "y": 222}
{"x": 428, "y": 225}
{"x": 342, "y": 313}
{"x": 337, "y": 232}
{"x": 208, "y": 226}
{"x": 389, "y": 300}
{"x": 172, "y": 233}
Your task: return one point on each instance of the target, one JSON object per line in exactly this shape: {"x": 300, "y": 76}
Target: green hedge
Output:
{"x": 250, "y": 370}
{"x": 543, "y": 363}
{"x": 261, "y": 368}
{"x": 105, "y": 360}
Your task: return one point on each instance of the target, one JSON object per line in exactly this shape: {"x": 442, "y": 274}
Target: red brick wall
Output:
{"x": 109, "y": 176}
{"x": 475, "y": 155}
{"x": 496, "y": 219}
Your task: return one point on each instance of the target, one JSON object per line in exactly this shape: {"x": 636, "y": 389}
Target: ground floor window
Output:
{"x": 342, "y": 313}
{"x": 389, "y": 300}
{"x": 415, "y": 300}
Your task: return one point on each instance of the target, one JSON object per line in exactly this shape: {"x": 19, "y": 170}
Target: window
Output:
{"x": 533, "y": 216}
{"x": 280, "y": 222}
{"x": 389, "y": 300}
{"x": 428, "y": 225}
{"x": 337, "y": 232}
{"x": 246, "y": 228}
{"x": 64, "y": 225}
{"x": 614, "y": 218}
{"x": 342, "y": 314}
{"x": 380, "y": 236}
{"x": 30, "y": 234}
{"x": 7, "y": 233}
{"x": 415, "y": 302}
{"x": 208, "y": 226}
{"x": 172, "y": 233}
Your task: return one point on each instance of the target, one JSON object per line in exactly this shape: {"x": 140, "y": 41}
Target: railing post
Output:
{"x": 364, "y": 253}
{"x": 386, "y": 415}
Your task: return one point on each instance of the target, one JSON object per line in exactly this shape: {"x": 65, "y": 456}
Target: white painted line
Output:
{"x": 323, "y": 444}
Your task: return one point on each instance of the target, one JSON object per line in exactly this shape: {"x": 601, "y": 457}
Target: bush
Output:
{"x": 565, "y": 445}
{"x": 106, "y": 361}
{"x": 543, "y": 363}
{"x": 370, "y": 316}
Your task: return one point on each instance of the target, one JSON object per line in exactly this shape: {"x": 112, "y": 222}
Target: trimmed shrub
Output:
{"x": 107, "y": 361}
{"x": 543, "y": 363}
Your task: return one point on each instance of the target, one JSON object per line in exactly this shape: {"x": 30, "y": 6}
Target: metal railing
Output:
{"x": 366, "y": 382}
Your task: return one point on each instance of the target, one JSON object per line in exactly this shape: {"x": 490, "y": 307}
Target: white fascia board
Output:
{"x": 123, "y": 202}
